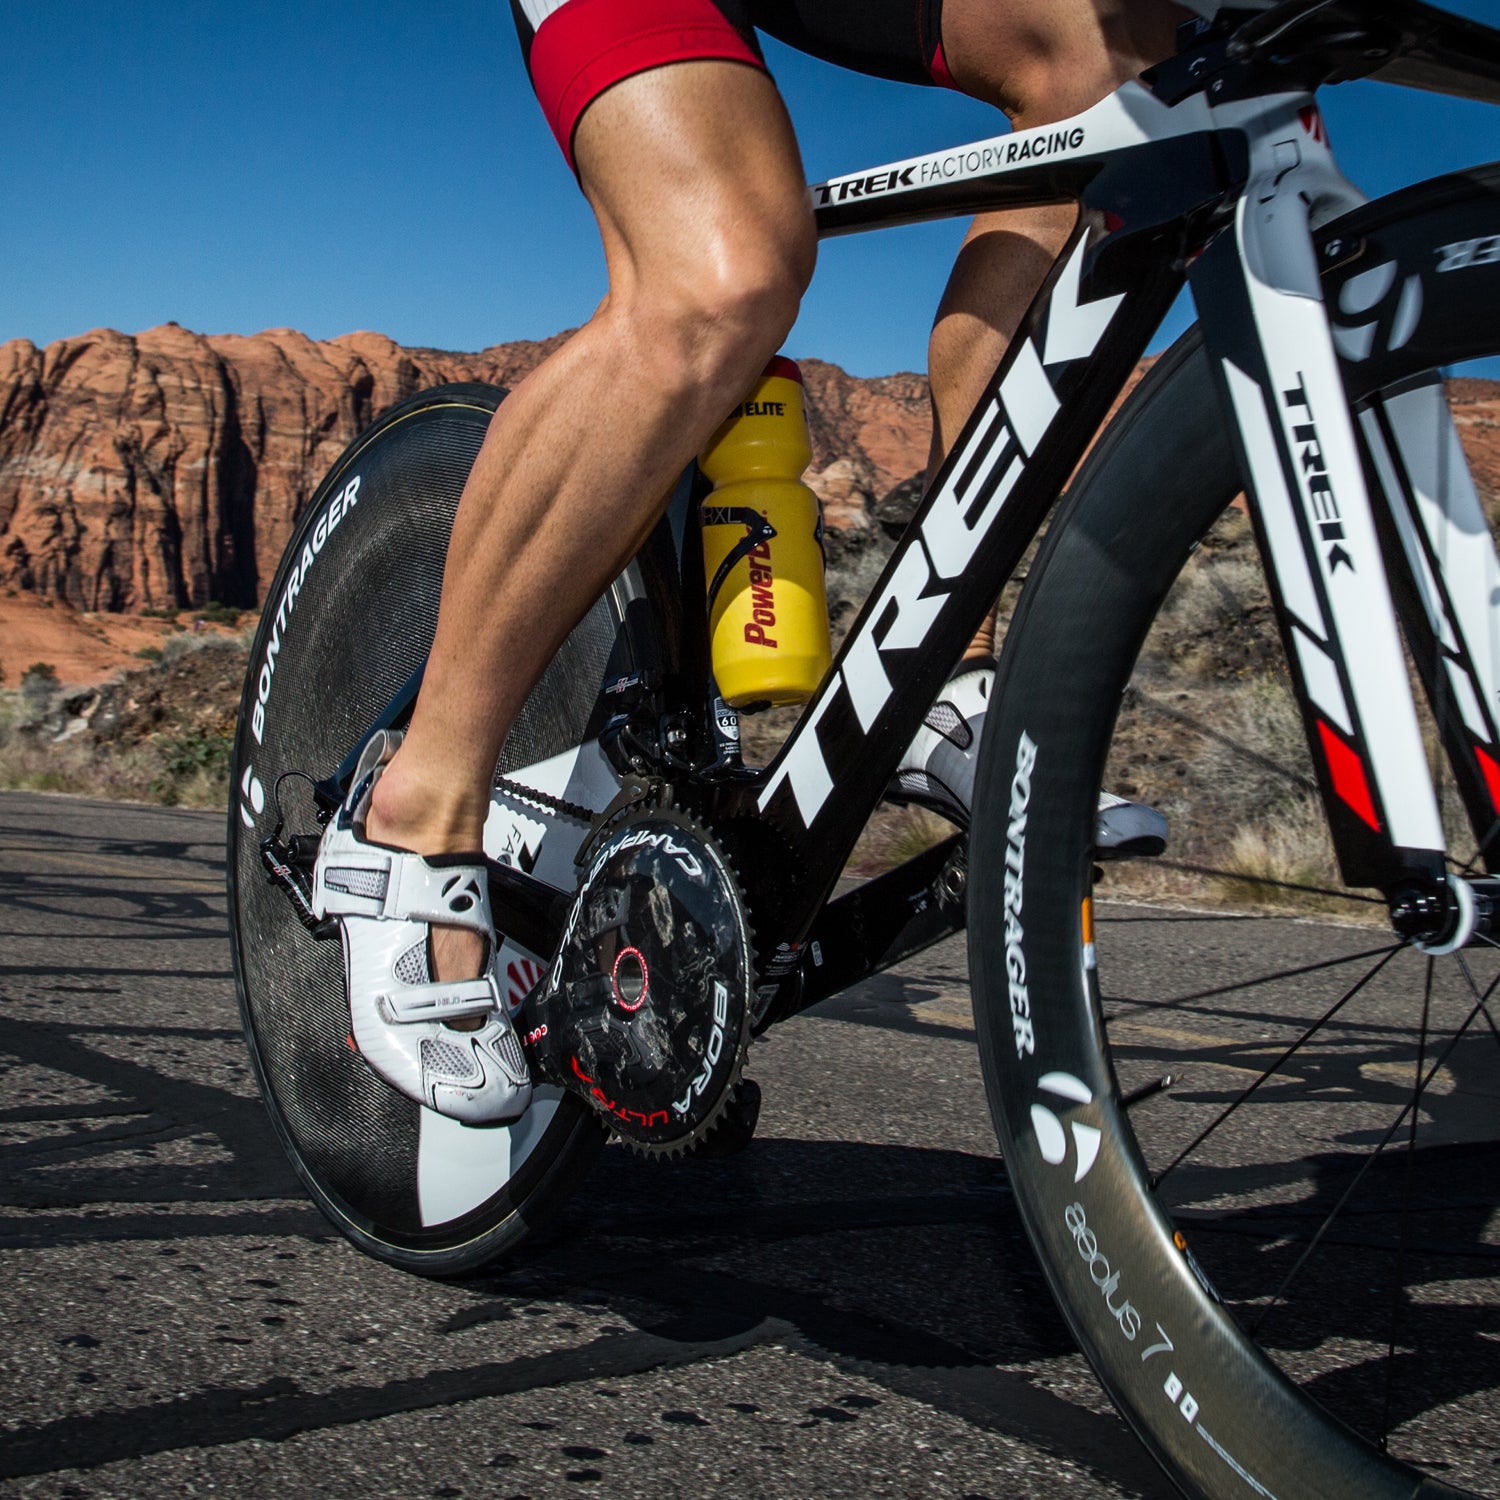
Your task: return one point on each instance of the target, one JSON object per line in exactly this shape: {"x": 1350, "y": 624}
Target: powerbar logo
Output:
{"x": 338, "y": 507}
{"x": 1015, "y": 872}
{"x": 762, "y": 598}
{"x": 976, "y": 483}
{"x": 1024, "y": 146}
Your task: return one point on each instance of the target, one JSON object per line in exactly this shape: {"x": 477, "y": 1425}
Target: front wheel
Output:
{"x": 1252, "y": 1135}
{"x": 348, "y": 619}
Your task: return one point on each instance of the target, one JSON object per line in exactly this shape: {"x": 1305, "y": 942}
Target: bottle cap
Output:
{"x": 783, "y": 367}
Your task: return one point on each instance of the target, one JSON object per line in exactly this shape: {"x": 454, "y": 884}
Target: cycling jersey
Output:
{"x": 576, "y": 49}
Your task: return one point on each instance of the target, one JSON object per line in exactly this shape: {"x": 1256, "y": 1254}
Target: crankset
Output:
{"x": 645, "y": 1011}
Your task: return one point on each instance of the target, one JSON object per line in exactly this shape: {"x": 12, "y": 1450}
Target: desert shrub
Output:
{"x": 1288, "y": 848}
{"x": 194, "y": 766}
{"x": 1260, "y": 765}
{"x": 175, "y": 647}
{"x": 38, "y": 688}
{"x": 894, "y": 835}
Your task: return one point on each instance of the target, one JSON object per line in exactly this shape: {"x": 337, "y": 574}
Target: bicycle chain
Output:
{"x": 523, "y": 793}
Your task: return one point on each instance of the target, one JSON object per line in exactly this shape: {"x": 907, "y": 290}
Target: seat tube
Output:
{"x": 1260, "y": 302}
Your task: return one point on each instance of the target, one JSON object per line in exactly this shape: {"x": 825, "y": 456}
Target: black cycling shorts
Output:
{"x": 575, "y": 49}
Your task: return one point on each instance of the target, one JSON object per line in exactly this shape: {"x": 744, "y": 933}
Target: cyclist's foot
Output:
{"x": 937, "y": 770}
{"x": 1128, "y": 830}
{"x": 448, "y": 1044}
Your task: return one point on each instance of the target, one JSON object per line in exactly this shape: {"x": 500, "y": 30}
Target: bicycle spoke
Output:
{"x": 1385, "y": 951}
{"x": 1265, "y": 880}
{"x": 1474, "y": 990}
{"x": 1480, "y": 1004}
{"x": 1250, "y": 1088}
{"x": 1397, "y": 1285}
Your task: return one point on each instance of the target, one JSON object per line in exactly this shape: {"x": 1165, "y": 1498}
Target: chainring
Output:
{"x": 645, "y": 1011}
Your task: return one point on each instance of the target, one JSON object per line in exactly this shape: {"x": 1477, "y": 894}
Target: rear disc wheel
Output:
{"x": 348, "y": 620}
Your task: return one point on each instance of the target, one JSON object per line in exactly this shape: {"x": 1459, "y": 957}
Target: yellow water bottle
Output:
{"x": 763, "y": 549}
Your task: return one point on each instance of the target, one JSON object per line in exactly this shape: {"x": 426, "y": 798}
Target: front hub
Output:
{"x": 1442, "y": 916}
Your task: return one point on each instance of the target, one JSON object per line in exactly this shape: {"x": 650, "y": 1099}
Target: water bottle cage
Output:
{"x": 758, "y": 531}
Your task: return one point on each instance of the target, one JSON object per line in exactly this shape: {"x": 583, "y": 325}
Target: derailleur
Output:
{"x": 640, "y": 737}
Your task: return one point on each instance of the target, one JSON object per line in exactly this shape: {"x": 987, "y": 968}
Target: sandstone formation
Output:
{"x": 167, "y": 470}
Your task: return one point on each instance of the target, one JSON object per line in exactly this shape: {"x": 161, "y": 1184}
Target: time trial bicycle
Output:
{"x": 1319, "y": 383}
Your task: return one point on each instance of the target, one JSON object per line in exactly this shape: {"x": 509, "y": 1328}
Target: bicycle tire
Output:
{"x": 1139, "y": 1265}
{"x": 348, "y": 619}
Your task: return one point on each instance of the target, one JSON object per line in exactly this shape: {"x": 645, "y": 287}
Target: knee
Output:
{"x": 710, "y": 326}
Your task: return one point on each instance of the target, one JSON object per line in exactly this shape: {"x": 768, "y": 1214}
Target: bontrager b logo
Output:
{"x": 1372, "y": 305}
{"x": 1051, "y": 1138}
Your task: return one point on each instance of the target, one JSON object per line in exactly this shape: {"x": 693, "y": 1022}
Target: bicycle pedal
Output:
{"x": 289, "y": 864}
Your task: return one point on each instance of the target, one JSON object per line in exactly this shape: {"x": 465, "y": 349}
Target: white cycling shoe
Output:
{"x": 386, "y": 901}
{"x": 937, "y": 771}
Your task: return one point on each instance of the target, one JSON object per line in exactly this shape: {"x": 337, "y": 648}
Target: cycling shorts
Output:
{"x": 576, "y": 49}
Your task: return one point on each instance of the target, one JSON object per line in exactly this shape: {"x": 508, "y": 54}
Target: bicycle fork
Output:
{"x": 1274, "y": 357}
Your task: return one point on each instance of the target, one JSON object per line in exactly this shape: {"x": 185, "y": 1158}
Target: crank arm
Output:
{"x": 529, "y": 911}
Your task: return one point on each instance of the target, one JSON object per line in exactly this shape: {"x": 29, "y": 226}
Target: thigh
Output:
{"x": 694, "y": 175}
{"x": 1043, "y": 60}
{"x": 577, "y": 50}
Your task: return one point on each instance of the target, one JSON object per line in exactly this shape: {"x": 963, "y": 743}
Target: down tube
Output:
{"x": 1072, "y": 355}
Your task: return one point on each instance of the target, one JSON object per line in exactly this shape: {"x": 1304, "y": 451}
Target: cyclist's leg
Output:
{"x": 694, "y": 175}
{"x": 1039, "y": 61}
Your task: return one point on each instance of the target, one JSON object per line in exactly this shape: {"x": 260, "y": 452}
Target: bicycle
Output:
{"x": 1326, "y": 324}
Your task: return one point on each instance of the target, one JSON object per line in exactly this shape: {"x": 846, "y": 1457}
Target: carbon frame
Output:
{"x": 1161, "y": 188}
{"x": 1168, "y": 184}
{"x": 1153, "y": 184}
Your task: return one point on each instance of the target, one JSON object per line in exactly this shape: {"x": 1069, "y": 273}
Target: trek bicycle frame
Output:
{"x": 1215, "y": 173}
{"x": 1218, "y": 174}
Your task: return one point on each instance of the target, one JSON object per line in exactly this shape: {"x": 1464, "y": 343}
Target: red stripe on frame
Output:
{"x": 1491, "y": 775}
{"x": 1348, "y": 775}
{"x": 588, "y": 46}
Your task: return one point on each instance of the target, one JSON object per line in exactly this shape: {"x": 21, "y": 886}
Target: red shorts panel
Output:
{"x": 587, "y": 46}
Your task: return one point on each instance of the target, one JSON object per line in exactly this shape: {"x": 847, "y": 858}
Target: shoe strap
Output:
{"x": 400, "y": 886}
{"x": 444, "y": 1001}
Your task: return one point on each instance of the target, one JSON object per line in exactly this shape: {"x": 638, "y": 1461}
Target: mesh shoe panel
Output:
{"x": 443, "y": 1057}
{"x": 411, "y": 967}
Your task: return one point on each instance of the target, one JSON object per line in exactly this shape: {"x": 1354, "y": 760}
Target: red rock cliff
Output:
{"x": 168, "y": 469}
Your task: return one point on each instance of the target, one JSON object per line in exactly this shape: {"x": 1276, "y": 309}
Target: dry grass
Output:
{"x": 894, "y": 835}
{"x": 169, "y": 735}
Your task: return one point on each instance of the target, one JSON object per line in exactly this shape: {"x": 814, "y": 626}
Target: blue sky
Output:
{"x": 332, "y": 165}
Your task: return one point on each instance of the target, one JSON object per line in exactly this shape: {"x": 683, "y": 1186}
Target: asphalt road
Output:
{"x": 849, "y": 1308}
